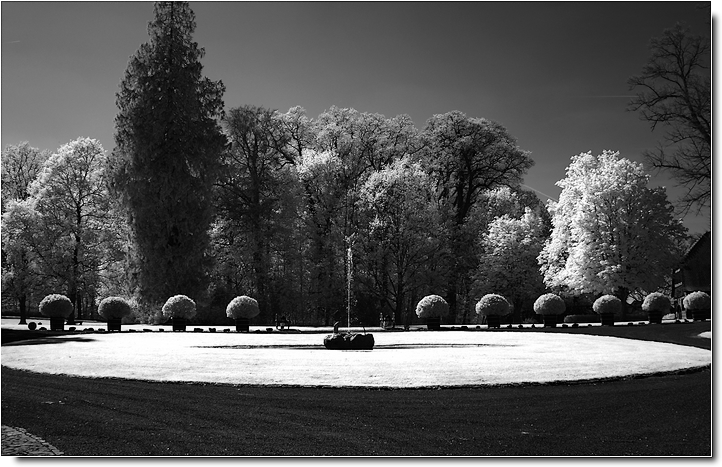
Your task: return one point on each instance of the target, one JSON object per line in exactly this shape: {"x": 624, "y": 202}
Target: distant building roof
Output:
{"x": 695, "y": 269}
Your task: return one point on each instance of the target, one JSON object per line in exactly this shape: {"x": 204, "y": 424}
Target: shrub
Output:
{"x": 493, "y": 304}
{"x": 432, "y": 306}
{"x": 56, "y": 306}
{"x": 114, "y": 308}
{"x": 697, "y": 301}
{"x": 179, "y": 306}
{"x": 242, "y": 307}
{"x": 607, "y": 304}
{"x": 656, "y": 302}
{"x": 549, "y": 304}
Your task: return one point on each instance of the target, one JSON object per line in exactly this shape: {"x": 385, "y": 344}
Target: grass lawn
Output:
{"x": 648, "y": 416}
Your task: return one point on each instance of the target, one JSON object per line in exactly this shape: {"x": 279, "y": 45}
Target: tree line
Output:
{"x": 298, "y": 211}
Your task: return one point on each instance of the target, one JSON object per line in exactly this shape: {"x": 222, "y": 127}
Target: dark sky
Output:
{"x": 554, "y": 74}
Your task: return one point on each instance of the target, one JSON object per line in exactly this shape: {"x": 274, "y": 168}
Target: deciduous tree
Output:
{"x": 250, "y": 192}
{"x": 402, "y": 242}
{"x": 77, "y": 235}
{"x": 612, "y": 233}
{"x": 673, "y": 92}
{"x": 19, "y": 274}
{"x": 465, "y": 157}
{"x": 21, "y": 165}
{"x": 508, "y": 263}
{"x": 348, "y": 147}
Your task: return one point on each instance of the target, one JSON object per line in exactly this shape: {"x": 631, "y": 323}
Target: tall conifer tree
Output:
{"x": 168, "y": 141}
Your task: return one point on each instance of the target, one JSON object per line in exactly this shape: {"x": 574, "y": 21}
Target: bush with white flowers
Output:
{"x": 242, "y": 307}
{"x": 549, "y": 304}
{"x": 493, "y": 304}
{"x": 179, "y": 306}
{"x": 432, "y": 306}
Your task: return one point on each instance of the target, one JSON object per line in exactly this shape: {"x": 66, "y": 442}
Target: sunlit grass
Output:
{"x": 411, "y": 359}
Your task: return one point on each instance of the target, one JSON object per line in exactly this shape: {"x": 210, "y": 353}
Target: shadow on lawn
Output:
{"x": 13, "y": 337}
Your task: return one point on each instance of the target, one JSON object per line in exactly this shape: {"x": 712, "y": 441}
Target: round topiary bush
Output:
{"x": 179, "y": 307}
{"x": 432, "y": 306}
{"x": 242, "y": 307}
{"x": 56, "y": 306}
{"x": 656, "y": 301}
{"x": 493, "y": 306}
{"x": 114, "y": 308}
{"x": 656, "y": 305}
{"x": 606, "y": 307}
{"x": 549, "y": 304}
{"x": 699, "y": 303}
{"x": 607, "y": 304}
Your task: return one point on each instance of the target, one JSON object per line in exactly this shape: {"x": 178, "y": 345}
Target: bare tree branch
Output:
{"x": 674, "y": 91}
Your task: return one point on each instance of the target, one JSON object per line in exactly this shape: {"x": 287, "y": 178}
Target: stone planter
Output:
{"x": 114, "y": 324}
{"x": 242, "y": 324}
{"x": 550, "y": 321}
{"x": 433, "y": 324}
{"x": 179, "y": 324}
{"x": 655, "y": 317}
{"x": 607, "y": 319}
{"x": 57, "y": 324}
{"x": 493, "y": 321}
{"x": 700, "y": 315}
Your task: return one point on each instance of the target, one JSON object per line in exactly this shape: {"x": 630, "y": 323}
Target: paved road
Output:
{"x": 18, "y": 442}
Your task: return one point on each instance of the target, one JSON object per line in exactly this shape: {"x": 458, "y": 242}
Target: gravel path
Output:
{"x": 18, "y": 442}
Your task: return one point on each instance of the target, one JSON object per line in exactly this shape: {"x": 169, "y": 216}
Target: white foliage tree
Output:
{"x": 611, "y": 232}
{"x": 402, "y": 232}
{"x": 77, "y": 232}
{"x": 508, "y": 265}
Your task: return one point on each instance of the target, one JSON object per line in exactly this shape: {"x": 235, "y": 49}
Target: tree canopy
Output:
{"x": 612, "y": 233}
{"x": 673, "y": 91}
{"x": 168, "y": 142}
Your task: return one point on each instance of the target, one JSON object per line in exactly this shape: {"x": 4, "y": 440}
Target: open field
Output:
{"x": 654, "y": 415}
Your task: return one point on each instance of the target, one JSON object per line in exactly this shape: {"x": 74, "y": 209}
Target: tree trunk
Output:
{"x": 451, "y": 300}
{"x": 73, "y": 295}
{"x": 518, "y": 309}
{"x": 622, "y": 294}
{"x": 23, "y": 304}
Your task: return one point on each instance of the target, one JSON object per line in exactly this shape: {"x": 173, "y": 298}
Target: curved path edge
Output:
{"x": 18, "y": 442}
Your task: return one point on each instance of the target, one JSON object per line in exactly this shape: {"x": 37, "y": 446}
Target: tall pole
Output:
{"x": 349, "y": 273}
{"x": 349, "y": 263}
